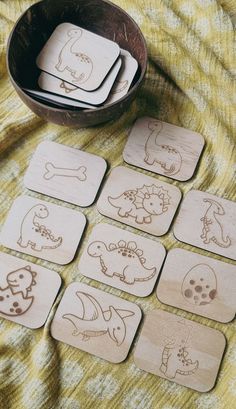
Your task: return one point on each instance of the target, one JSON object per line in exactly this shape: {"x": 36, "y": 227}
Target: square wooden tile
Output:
{"x": 139, "y": 200}
{"x": 96, "y": 322}
{"x": 209, "y": 222}
{"x": 43, "y": 229}
{"x": 199, "y": 284}
{"x": 122, "y": 259}
{"x": 180, "y": 350}
{"x": 78, "y": 56}
{"x": 163, "y": 148}
{"x": 65, "y": 173}
{"x": 27, "y": 291}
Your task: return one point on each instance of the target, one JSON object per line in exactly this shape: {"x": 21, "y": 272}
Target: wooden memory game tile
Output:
{"x": 27, "y": 291}
{"x": 163, "y": 148}
{"x": 208, "y": 222}
{"x": 96, "y": 322}
{"x": 122, "y": 259}
{"x": 139, "y": 200}
{"x": 78, "y": 56}
{"x": 43, "y": 229}
{"x": 180, "y": 350}
{"x": 198, "y": 284}
{"x": 65, "y": 173}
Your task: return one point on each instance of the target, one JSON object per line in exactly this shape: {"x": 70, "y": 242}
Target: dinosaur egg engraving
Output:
{"x": 199, "y": 286}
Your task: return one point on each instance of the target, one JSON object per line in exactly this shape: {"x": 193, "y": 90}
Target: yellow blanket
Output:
{"x": 190, "y": 82}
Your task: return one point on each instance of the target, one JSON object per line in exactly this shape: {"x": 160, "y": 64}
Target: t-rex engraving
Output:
{"x": 95, "y": 322}
{"x": 34, "y": 234}
{"x": 123, "y": 260}
{"x": 175, "y": 353}
{"x": 142, "y": 203}
{"x": 78, "y": 64}
{"x": 158, "y": 152}
{"x": 52, "y": 171}
{"x": 14, "y": 298}
{"x": 212, "y": 229}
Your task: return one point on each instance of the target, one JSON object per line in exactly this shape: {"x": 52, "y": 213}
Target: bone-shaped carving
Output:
{"x": 52, "y": 171}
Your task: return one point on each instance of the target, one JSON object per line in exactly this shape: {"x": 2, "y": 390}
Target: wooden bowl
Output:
{"x": 35, "y": 26}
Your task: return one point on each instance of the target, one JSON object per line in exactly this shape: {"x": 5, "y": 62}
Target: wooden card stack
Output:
{"x": 82, "y": 69}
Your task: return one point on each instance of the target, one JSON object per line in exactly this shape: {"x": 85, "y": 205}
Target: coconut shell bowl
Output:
{"x": 32, "y": 31}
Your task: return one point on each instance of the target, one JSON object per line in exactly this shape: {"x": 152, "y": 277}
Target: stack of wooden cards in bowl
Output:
{"x": 81, "y": 69}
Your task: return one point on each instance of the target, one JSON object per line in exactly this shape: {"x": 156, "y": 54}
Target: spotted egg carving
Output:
{"x": 199, "y": 286}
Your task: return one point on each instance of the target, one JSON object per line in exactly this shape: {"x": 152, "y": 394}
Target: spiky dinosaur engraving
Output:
{"x": 34, "y": 234}
{"x": 212, "y": 229}
{"x": 95, "y": 322}
{"x": 142, "y": 203}
{"x": 123, "y": 260}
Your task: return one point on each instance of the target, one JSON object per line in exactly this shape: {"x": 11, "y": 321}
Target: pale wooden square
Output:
{"x": 163, "y": 148}
{"x": 65, "y": 173}
{"x": 180, "y": 350}
{"x": 96, "y": 322}
{"x": 57, "y": 99}
{"x": 209, "y": 222}
{"x": 122, "y": 259}
{"x": 78, "y": 56}
{"x": 27, "y": 291}
{"x": 126, "y": 192}
{"x": 43, "y": 229}
{"x": 198, "y": 284}
{"x": 52, "y": 84}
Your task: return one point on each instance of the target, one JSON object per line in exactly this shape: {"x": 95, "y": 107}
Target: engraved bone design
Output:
{"x": 212, "y": 229}
{"x": 33, "y": 234}
{"x": 142, "y": 203}
{"x": 157, "y": 151}
{"x": 52, "y": 171}
{"x": 78, "y": 64}
{"x": 123, "y": 260}
{"x": 95, "y": 322}
{"x": 175, "y": 355}
{"x": 14, "y": 298}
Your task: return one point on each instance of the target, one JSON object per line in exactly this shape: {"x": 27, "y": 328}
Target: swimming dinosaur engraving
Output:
{"x": 14, "y": 298}
{"x": 94, "y": 321}
{"x": 34, "y": 234}
{"x": 124, "y": 260}
{"x": 212, "y": 228}
{"x": 157, "y": 151}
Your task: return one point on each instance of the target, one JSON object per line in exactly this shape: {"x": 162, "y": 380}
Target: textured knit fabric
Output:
{"x": 190, "y": 82}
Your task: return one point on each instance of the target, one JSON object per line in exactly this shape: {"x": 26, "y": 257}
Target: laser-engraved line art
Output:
{"x": 67, "y": 87}
{"x": 119, "y": 86}
{"x": 199, "y": 286}
{"x": 175, "y": 355}
{"x": 124, "y": 260}
{"x": 80, "y": 65}
{"x": 156, "y": 151}
{"x": 52, "y": 171}
{"x": 95, "y": 322}
{"x": 213, "y": 229}
{"x": 34, "y": 234}
{"x": 142, "y": 203}
{"x": 14, "y": 298}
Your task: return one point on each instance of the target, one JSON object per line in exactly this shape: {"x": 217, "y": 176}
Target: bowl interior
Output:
{"x": 37, "y": 24}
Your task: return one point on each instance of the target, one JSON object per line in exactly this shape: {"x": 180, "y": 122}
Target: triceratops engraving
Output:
{"x": 34, "y": 234}
{"x": 78, "y": 64}
{"x": 175, "y": 353}
{"x": 158, "y": 152}
{"x": 123, "y": 260}
{"x": 95, "y": 322}
{"x": 212, "y": 229}
{"x": 142, "y": 203}
{"x": 14, "y": 298}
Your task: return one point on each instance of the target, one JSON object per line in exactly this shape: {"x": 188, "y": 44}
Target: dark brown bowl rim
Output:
{"x": 101, "y": 108}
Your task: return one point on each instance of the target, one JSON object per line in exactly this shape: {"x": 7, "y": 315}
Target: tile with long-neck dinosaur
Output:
{"x": 163, "y": 148}
{"x": 208, "y": 222}
{"x": 96, "y": 322}
{"x": 43, "y": 229}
